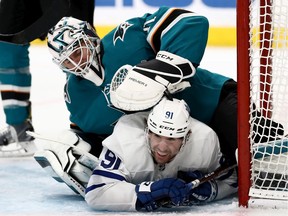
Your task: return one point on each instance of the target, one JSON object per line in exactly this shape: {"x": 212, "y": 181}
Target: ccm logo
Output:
{"x": 164, "y": 57}
{"x": 167, "y": 128}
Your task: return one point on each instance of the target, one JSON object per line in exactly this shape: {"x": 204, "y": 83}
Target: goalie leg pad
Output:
{"x": 68, "y": 160}
{"x": 76, "y": 178}
{"x": 50, "y": 163}
{"x": 80, "y": 172}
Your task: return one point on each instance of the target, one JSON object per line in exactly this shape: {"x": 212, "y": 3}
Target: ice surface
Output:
{"x": 26, "y": 189}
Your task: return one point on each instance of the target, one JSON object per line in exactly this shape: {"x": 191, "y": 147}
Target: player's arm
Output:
{"x": 227, "y": 182}
{"x": 109, "y": 188}
{"x": 214, "y": 189}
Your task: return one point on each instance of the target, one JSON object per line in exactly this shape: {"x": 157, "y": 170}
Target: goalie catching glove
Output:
{"x": 142, "y": 86}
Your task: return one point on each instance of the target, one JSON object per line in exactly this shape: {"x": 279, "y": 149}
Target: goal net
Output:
{"x": 262, "y": 76}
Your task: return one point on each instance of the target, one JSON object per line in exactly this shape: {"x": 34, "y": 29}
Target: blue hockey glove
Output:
{"x": 151, "y": 194}
{"x": 205, "y": 192}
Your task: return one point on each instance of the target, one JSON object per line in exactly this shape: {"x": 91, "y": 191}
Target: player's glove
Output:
{"x": 150, "y": 195}
{"x": 205, "y": 192}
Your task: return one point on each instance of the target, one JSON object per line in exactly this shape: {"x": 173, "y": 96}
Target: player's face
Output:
{"x": 164, "y": 149}
{"x": 78, "y": 59}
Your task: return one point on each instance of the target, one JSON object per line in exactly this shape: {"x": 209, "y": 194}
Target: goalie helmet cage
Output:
{"x": 262, "y": 76}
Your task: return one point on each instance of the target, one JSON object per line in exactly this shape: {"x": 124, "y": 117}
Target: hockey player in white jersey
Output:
{"x": 151, "y": 157}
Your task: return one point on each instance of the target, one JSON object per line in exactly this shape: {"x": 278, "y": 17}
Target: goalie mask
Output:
{"x": 170, "y": 118}
{"x": 75, "y": 47}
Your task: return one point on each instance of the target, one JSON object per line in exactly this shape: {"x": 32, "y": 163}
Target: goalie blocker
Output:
{"x": 142, "y": 86}
{"x": 67, "y": 159}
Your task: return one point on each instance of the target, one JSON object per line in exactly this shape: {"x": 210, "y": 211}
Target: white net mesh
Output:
{"x": 269, "y": 98}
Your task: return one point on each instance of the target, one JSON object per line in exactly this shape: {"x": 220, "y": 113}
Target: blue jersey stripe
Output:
{"x": 108, "y": 175}
{"x": 92, "y": 187}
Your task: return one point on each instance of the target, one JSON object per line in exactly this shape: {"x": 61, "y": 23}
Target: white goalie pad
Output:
{"x": 52, "y": 165}
{"x": 66, "y": 158}
{"x": 142, "y": 86}
{"x": 133, "y": 91}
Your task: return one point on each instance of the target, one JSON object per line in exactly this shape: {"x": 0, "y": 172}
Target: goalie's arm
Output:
{"x": 178, "y": 31}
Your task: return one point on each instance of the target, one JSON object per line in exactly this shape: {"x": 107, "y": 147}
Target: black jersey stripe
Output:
{"x": 20, "y": 96}
{"x": 156, "y": 37}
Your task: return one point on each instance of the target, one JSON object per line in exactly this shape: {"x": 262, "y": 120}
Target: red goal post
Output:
{"x": 262, "y": 76}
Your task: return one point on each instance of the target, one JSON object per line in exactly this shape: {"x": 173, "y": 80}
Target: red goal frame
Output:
{"x": 243, "y": 79}
{"x": 243, "y": 101}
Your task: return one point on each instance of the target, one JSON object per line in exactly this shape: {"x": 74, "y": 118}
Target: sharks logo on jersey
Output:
{"x": 121, "y": 31}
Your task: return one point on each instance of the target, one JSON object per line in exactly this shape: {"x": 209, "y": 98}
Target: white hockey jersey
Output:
{"x": 126, "y": 161}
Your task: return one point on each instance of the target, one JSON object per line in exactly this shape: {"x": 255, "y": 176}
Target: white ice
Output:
{"x": 26, "y": 189}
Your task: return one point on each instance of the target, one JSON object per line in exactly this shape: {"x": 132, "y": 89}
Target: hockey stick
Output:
{"x": 56, "y": 10}
{"x": 195, "y": 183}
{"x": 219, "y": 171}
